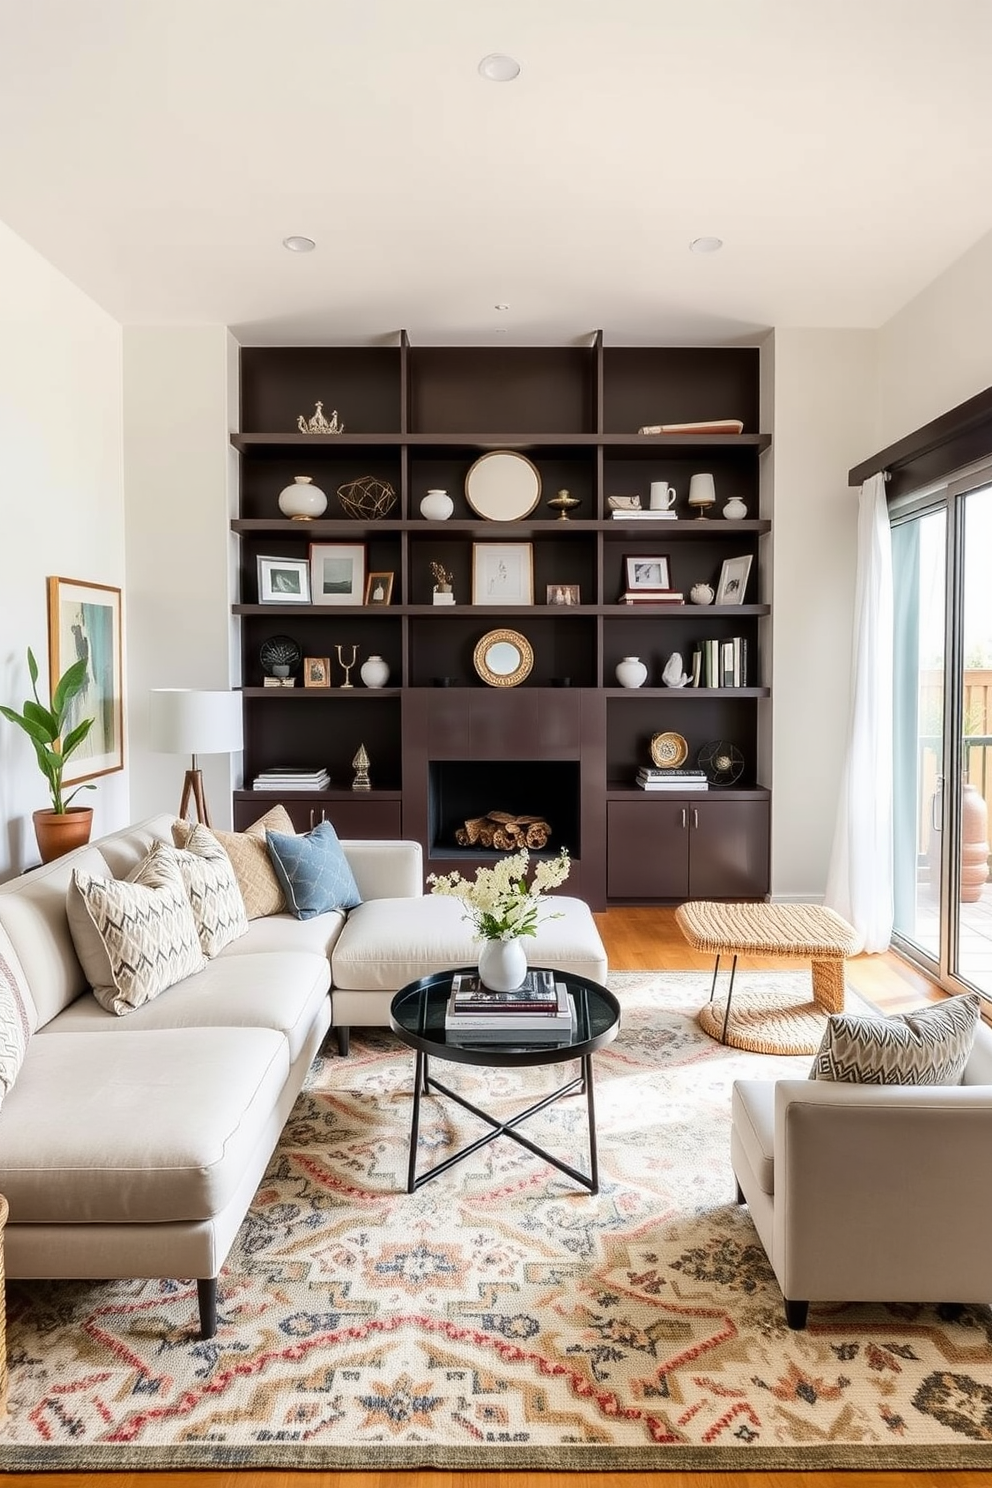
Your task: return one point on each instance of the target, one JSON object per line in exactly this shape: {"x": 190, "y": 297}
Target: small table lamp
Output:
{"x": 702, "y": 493}
{"x": 183, "y": 721}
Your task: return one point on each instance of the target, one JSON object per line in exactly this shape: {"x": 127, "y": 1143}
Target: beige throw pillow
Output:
{"x": 134, "y": 938}
{"x": 249, "y": 855}
{"x": 218, "y": 908}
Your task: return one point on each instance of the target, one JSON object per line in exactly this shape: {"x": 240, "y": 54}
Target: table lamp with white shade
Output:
{"x": 185, "y": 721}
{"x": 702, "y": 493}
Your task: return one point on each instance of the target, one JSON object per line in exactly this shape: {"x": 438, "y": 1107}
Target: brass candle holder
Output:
{"x": 563, "y": 503}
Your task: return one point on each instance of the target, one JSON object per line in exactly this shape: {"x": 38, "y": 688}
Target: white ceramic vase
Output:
{"x": 631, "y": 672}
{"x": 735, "y": 510}
{"x": 503, "y": 964}
{"x": 437, "y": 506}
{"x": 302, "y": 500}
{"x": 701, "y": 594}
{"x": 374, "y": 672}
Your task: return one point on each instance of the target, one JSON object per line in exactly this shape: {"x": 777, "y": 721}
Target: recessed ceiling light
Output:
{"x": 299, "y": 245}
{"x": 498, "y": 68}
{"x": 706, "y": 245}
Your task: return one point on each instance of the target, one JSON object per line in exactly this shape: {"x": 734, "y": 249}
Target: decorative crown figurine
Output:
{"x": 318, "y": 424}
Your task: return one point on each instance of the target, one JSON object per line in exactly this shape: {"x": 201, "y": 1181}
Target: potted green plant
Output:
{"x": 60, "y": 827}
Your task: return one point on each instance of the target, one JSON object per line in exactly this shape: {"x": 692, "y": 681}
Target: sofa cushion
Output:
{"x": 929, "y": 1046}
{"x": 134, "y": 938}
{"x": 32, "y": 911}
{"x": 281, "y": 990}
{"x": 753, "y": 1104}
{"x": 314, "y": 873}
{"x": 125, "y": 848}
{"x": 18, "y": 1018}
{"x": 218, "y": 908}
{"x": 387, "y": 943}
{"x": 89, "y": 1157}
{"x": 282, "y": 932}
{"x": 249, "y": 855}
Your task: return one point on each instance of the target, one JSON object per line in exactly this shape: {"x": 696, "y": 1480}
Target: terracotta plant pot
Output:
{"x": 58, "y": 834}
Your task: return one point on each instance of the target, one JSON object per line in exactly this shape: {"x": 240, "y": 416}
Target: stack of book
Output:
{"x": 292, "y": 778}
{"x": 645, "y": 514}
{"x": 538, "y": 1011}
{"x": 650, "y": 779}
{"x": 720, "y": 663}
{"x": 652, "y": 596}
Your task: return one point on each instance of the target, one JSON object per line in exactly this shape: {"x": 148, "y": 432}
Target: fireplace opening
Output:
{"x": 463, "y": 790}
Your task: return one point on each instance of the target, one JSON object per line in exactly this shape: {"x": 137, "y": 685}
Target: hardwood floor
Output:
{"x": 641, "y": 938}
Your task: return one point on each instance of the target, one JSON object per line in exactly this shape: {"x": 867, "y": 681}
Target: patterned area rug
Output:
{"x": 499, "y": 1318}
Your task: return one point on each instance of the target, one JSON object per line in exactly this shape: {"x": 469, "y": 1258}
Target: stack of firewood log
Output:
{"x": 500, "y": 829}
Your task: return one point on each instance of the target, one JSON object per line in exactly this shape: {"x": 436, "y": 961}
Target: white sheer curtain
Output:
{"x": 859, "y": 883}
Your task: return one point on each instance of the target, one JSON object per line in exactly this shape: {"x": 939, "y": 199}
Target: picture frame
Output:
{"x": 316, "y": 671}
{"x": 378, "y": 588}
{"x": 283, "y": 580}
{"x": 733, "y": 580}
{"x": 502, "y": 573}
{"x": 563, "y": 594}
{"x": 84, "y": 621}
{"x": 646, "y": 571}
{"x": 337, "y": 573}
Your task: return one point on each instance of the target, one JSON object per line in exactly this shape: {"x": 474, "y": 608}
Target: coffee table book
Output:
{"x": 510, "y": 1024}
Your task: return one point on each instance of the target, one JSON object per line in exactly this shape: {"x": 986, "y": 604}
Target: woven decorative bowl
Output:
{"x": 668, "y": 751}
{"x": 367, "y": 497}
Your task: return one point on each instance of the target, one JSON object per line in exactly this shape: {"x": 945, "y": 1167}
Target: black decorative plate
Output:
{"x": 279, "y": 650}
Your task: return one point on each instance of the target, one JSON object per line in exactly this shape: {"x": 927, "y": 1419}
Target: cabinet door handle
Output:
{"x": 311, "y": 818}
{"x": 695, "y": 819}
{"x": 683, "y": 819}
{"x": 323, "y": 814}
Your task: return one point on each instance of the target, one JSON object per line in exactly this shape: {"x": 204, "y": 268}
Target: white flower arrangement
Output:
{"x": 499, "y": 900}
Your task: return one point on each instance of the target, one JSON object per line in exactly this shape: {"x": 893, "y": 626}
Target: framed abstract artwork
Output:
{"x": 84, "y": 624}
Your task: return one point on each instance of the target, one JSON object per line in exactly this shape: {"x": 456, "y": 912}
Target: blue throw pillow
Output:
{"x": 313, "y": 871}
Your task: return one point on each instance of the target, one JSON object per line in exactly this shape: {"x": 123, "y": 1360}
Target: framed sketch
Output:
{"x": 84, "y": 623}
{"x": 316, "y": 671}
{"x": 647, "y": 571}
{"x": 733, "y": 581}
{"x": 502, "y": 573}
{"x": 563, "y": 594}
{"x": 378, "y": 588}
{"x": 337, "y": 573}
{"x": 283, "y": 581}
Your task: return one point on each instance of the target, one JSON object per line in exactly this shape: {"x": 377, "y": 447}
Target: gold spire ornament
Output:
{"x": 318, "y": 424}
{"x": 360, "y": 764}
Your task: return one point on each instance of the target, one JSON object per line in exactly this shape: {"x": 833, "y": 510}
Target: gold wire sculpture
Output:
{"x": 367, "y": 497}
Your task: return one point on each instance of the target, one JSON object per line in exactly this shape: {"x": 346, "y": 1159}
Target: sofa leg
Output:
{"x": 796, "y": 1314}
{"x": 344, "y": 1040}
{"x": 206, "y": 1292}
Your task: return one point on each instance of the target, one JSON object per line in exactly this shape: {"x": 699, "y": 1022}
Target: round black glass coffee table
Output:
{"x": 416, "y": 1016}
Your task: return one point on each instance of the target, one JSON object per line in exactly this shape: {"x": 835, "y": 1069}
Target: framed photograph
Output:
{"x": 378, "y": 589}
{"x": 502, "y": 573}
{"x": 283, "y": 581}
{"x": 337, "y": 573}
{"x": 733, "y": 581}
{"x": 563, "y": 594}
{"x": 84, "y": 623}
{"x": 644, "y": 571}
{"x": 316, "y": 671}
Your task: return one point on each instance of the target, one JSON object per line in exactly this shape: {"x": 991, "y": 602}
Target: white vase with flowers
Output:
{"x": 505, "y": 908}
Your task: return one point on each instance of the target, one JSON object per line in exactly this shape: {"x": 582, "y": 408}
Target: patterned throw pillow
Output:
{"x": 249, "y": 855}
{"x": 18, "y": 1018}
{"x": 927, "y": 1047}
{"x": 133, "y": 938}
{"x": 218, "y": 908}
{"x": 314, "y": 872}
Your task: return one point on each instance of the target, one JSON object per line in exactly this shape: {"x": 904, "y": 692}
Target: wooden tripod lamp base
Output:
{"x": 193, "y": 791}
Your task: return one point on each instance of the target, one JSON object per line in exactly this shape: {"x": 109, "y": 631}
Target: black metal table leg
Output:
{"x": 591, "y": 1114}
{"x": 716, "y": 972}
{"x": 730, "y": 993}
{"x": 419, "y": 1080}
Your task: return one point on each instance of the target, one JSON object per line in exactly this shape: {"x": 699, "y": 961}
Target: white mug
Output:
{"x": 662, "y": 496}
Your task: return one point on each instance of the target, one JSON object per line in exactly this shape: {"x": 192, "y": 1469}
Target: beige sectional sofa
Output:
{"x": 132, "y": 1146}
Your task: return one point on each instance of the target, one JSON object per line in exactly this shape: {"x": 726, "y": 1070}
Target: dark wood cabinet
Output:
{"x": 567, "y": 741}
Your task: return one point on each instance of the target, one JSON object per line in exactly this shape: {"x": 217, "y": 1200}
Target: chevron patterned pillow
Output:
{"x": 218, "y": 908}
{"x": 927, "y": 1047}
{"x": 260, "y": 889}
{"x": 133, "y": 938}
{"x": 18, "y": 1018}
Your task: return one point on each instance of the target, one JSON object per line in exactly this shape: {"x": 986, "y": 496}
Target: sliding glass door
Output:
{"x": 943, "y": 732}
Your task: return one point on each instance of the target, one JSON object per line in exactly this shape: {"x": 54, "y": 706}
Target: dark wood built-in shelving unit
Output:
{"x": 578, "y": 744}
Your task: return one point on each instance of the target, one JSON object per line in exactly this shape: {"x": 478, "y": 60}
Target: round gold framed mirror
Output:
{"x": 503, "y": 658}
{"x": 503, "y": 486}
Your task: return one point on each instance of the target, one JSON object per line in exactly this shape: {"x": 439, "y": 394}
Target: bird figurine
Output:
{"x": 674, "y": 674}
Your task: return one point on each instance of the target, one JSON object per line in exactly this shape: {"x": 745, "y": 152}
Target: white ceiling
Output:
{"x": 158, "y": 151}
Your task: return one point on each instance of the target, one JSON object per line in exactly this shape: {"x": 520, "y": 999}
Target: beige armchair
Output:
{"x": 867, "y": 1193}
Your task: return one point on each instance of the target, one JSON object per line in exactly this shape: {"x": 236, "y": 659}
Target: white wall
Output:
{"x": 823, "y": 422}
{"x": 61, "y": 505}
{"x": 937, "y": 352}
{"x": 179, "y": 403}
